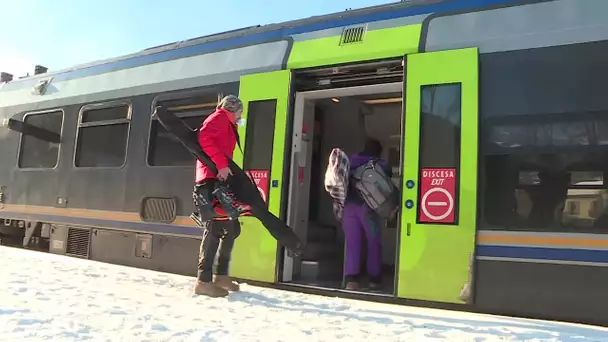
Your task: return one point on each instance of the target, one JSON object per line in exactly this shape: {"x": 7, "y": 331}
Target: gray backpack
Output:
{"x": 376, "y": 188}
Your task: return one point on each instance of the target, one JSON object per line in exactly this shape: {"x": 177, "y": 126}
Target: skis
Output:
{"x": 241, "y": 185}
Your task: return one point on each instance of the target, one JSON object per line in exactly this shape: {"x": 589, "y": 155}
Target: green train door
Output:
{"x": 440, "y": 176}
{"x": 265, "y": 99}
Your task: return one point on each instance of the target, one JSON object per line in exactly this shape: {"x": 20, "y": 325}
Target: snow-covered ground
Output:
{"x": 52, "y": 298}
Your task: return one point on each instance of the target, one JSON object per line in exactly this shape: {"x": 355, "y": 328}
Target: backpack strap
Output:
{"x": 238, "y": 142}
{"x": 358, "y": 172}
{"x": 238, "y": 137}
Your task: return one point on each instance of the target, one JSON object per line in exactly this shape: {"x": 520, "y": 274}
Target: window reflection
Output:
{"x": 441, "y": 112}
{"x": 546, "y": 193}
{"x": 601, "y": 132}
{"x": 583, "y": 204}
{"x": 544, "y": 134}
{"x": 571, "y": 133}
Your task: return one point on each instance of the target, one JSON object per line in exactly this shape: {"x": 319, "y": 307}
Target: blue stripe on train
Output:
{"x": 278, "y": 34}
{"x": 538, "y": 253}
{"x": 543, "y": 253}
{"x": 154, "y": 228}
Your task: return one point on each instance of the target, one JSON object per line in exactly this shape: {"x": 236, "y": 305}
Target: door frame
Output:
{"x": 289, "y": 262}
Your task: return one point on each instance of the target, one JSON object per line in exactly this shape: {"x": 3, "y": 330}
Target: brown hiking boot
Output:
{"x": 226, "y": 283}
{"x": 209, "y": 289}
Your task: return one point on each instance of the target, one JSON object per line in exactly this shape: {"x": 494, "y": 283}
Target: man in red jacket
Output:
{"x": 217, "y": 137}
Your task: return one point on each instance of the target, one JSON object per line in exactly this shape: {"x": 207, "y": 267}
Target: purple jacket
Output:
{"x": 357, "y": 160}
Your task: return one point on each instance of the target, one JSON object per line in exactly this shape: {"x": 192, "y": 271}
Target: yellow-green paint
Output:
{"x": 376, "y": 44}
{"x": 255, "y": 251}
{"x": 434, "y": 260}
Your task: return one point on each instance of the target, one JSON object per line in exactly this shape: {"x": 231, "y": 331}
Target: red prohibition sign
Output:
{"x": 439, "y": 206}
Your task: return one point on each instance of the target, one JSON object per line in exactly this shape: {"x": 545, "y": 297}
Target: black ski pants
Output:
{"x": 218, "y": 239}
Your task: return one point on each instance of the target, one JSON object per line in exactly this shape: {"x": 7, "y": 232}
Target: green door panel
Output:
{"x": 434, "y": 259}
{"x": 255, "y": 251}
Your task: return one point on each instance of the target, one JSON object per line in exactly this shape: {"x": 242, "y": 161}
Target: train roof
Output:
{"x": 259, "y": 34}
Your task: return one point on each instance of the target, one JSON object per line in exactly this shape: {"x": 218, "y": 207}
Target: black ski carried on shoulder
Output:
{"x": 241, "y": 185}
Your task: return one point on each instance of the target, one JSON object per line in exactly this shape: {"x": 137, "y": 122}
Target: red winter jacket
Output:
{"x": 218, "y": 139}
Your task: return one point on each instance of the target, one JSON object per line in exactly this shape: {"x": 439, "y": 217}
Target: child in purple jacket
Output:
{"x": 359, "y": 221}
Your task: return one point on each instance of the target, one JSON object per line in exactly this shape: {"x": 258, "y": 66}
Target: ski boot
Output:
{"x": 219, "y": 214}
{"x": 203, "y": 203}
{"x": 232, "y": 208}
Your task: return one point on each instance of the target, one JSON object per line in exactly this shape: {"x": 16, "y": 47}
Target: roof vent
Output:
{"x": 352, "y": 35}
{"x": 5, "y": 77}
{"x": 39, "y": 69}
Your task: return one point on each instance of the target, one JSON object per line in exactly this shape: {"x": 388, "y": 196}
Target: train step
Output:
{"x": 321, "y": 270}
{"x": 321, "y": 234}
{"x": 322, "y": 251}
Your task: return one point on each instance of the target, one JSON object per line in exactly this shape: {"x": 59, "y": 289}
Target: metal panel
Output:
{"x": 375, "y": 25}
{"x": 59, "y": 237}
{"x": 259, "y": 34}
{"x": 162, "y": 253}
{"x": 143, "y": 246}
{"x": 377, "y": 44}
{"x": 196, "y": 71}
{"x": 520, "y": 27}
{"x": 561, "y": 292}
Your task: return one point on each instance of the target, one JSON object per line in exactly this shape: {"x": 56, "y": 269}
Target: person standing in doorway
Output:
{"x": 217, "y": 137}
{"x": 360, "y": 222}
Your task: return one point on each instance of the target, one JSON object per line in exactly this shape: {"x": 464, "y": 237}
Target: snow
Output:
{"x": 48, "y": 297}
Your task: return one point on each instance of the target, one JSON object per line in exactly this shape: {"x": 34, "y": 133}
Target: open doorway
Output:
{"x": 344, "y": 118}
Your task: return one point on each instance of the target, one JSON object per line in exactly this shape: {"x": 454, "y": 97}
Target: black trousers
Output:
{"x": 218, "y": 240}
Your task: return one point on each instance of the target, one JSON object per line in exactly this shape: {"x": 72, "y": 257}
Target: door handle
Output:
{"x": 408, "y": 229}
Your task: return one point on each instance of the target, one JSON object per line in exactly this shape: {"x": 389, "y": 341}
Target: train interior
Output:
{"x": 344, "y": 122}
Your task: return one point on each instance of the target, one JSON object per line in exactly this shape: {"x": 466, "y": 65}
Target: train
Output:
{"x": 492, "y": 114}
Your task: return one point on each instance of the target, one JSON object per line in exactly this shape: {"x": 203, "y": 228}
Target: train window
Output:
{"x": 566, "y": 132}
{"x": 544, "y": 144}
{"x": 440, "y": 121}
{"x": 164, "y": 149}
{"x": 440, "y": 107}
{"x": 102, "y": 135}
{"x": 105, "y": 114}
{"x": 546, "y": 192}
{"x": 39, "y": 154}
{"x": 260, "y": 135}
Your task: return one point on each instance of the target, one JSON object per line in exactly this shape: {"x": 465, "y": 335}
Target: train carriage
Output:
{"x": 491, "y": 113}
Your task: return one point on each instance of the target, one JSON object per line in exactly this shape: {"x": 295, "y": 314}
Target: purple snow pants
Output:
{"x": 359, "y": 222}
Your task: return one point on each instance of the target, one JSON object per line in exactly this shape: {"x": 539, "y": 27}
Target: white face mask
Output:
{"x": 241, "y": 122}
